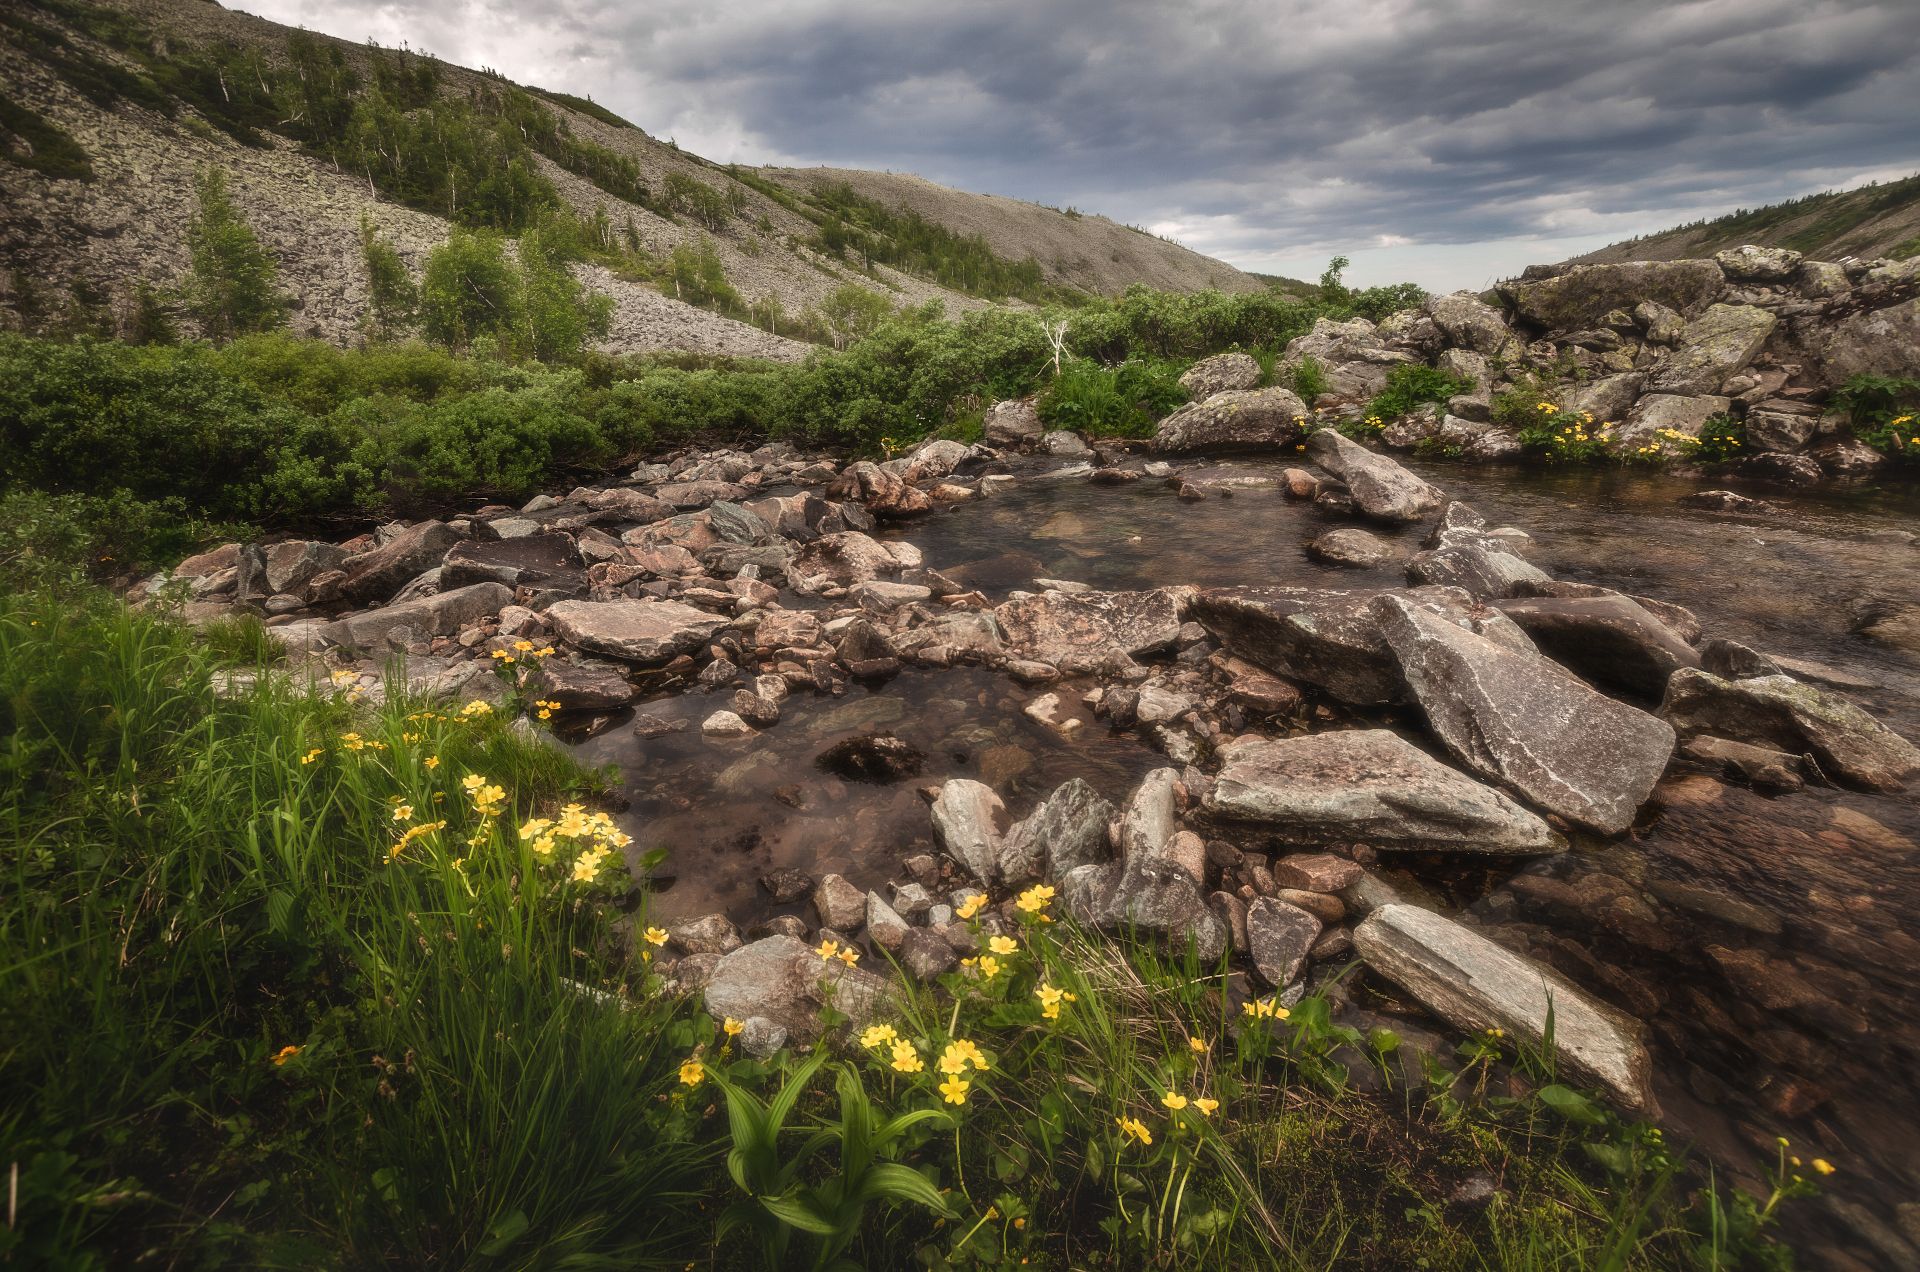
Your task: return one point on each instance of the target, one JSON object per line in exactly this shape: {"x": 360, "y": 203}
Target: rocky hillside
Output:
{"x": 1874, "y": 220}
{"x": 109, "y": 113}
{"x": 1638, "y": 361}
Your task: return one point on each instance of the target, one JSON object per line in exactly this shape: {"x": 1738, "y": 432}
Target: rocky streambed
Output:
{"x": 1501, "y": 739}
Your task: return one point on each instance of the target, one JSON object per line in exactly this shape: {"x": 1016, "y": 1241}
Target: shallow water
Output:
{"x": 1765, "y": 940}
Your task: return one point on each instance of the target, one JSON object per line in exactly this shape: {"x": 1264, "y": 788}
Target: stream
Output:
{"x": 1765, "y": 940}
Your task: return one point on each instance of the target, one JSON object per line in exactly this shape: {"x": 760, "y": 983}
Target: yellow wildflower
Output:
{"x": 432, "y": 762}
{"x": 285, "y": 1054}
{"x": 878, "y": 1036}
{"x": 731, "y": 1027}
{"x": 827, "y": 949}
{"x": 1174, "y": 1101}
{"x": 1135, "y": 1129}
{"x": 1822, "y": 1165}
{"x": 692, "y": 1073}
{"x": 403, "y": 812}
{"x": 1197, "y": 1045}
{"x": 312, "y": 755}
{"x": 989, "y": 966}
{"x": 1035, "y": 899}
{"x": 522, "y": 646}
{"x": 906, "y": 1058}
{"x": 655, "y": 936}
{"x": 972, "y": 905}
{"x": 1205, "y": 1105}
{"x": 1003, "y": 945}
{"x": 849, "y": 956}
{"x": 954, "y": 1089}
{"x": 952, "y": 1060}
{"x": 972, "y": 1053}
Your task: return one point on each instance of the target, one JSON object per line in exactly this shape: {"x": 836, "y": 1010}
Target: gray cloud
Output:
{"x": 1449, "y": 139}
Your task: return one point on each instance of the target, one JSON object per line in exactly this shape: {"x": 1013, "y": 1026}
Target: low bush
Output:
{"x": 1414, "y": 384}
{"x": 1123, "y": 401}
{"x": 1883, "y": 411}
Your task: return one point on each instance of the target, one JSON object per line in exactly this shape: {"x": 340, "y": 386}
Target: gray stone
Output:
{"x": 840, "y": 560}
{"x": 1482, "y": 568}
{"x": 1247, "y": 419}
{"x": 1583, "y": 296}
{"x": 1759, "y": 765}
{"x": 926, "y": 955}
{"x": 535, "y": 560}
{"x": 712, "y": 934}
{"x": 291, "y": 565}
{"x": 1754, "y": 264}
{"x": 966, "y": 821}
{"x": 1608, "y": 398}
{"x": 762, "y": 1038}
{"x": 725, "y": 724}
{"x": 1153, "y": 894}
{"x": 1354, "y": 548}
{"x": 647, "y": 631}
{"x": 1715, "y": 345}
{"x": 885, "y": 927}
{"x": 1147, "y": 822}
{"x": 1219, "y": 373}
{"x": 1779, "y": 430}
{"x": 1085, "y": 631}
{"x": 780, "y": 979}
{"x": 441, "y": 614}
{"x": 377, "y": 575}
{"x": 839, "y": 904}
{"x": 582, "y": 686}
{"x": 1013, "y": 423}
{"x": 1279, "y": 936}
{"x": 1354, "y": 359}
{"x": 1870, "y": 342}
{"x": 1781, "y": 712}
{"x": 1368, "y": 786}
{"x": 1476, "y": 985}
{"x": 1522, "y": 720}
{"x": 1067, "y": 830}
{"x": 1381, "y": 488}
{"x": 1610, "y": 639}
{"x": 1657, "y": 412}
{"x": 1467, "y": 322}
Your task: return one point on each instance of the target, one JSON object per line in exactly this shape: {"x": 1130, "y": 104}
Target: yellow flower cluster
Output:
{"x": 354, "y": 742}
{"x": 831, "y": 950}
{"x": 1134, "y": 1128}
{"x": 488, "y": 799}
{"x": 413, "y": 833}
{"x": 1035, "y": 899}
{"x": 974, "y": 903}
{"x": 1263, "y": 1009}
{"x": 521, "y": 649}
{"x": 1051, "y": 997}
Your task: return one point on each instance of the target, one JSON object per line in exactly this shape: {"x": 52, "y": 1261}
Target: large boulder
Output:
{"x": 294, "y": 563}
{"x": 1068, "y": 830}
{"x": 1244, "y": 419}
{"x": 1712, "y": 347}
{"x": 441, "y": 614}
{"x": 1754, "y": 264}
{"x": 534, "y": 560}
{"x": 1381, "y": 488}
{"x": 1871, "y": 342}
{"x": 1607, "y": 398}
{"x": 1221, "y": 372}
{"x": 1476, "y": 985}
{"x": 1087, "y": 631}
{"x": 966, "y": 822}
{"x": 1657, "y": 415}
{"x": 644, "y": 631}
{"x": 1332, "y": 639}
{"x": 1583, "y": 296}
{"x": 1782, "y": 713}
{"x": 378, "y": 574}
{"x": 1612, "y": 640}
{"x": 884, "y": 493}
{"x": 1368, "y": 786}
{"x": 779, "y": 979}
{"x": 1013, "y": 423}
{"x": 1353, "y": 358}
{"x": 1524, "y": 721}
{"x": 1470, "y": 323}
{"x": 1157, "y": 895}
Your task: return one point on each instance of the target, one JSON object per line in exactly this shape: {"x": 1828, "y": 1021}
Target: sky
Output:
{"x": 1448, "y": 142}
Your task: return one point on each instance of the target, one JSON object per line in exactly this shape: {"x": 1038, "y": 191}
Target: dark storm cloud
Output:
{"x": 1261, "y": 130}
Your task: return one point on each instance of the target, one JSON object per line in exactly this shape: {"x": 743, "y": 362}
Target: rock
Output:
{"x": 1356, "y": 549}
{"x": 714, "y": 934}
{"x": 840, "y": 560}
{"x": 1368, "y": 786}
{"x": 1218, "y": 374}
{"x": 1756, "y": 764}
{"x": 781, "y": 980}
{"x": 1780, "y": 712}
{"x": 882, "y": 597}
{"x": 1584, "y": 295}
{"x": 754, "y": 709}
{"x": 885, "y": 927}
{"x": 1476, "y": 985}
{"x": 649, "y": 631}
{"x": 884, "y": 493}
{"x": 725, "y": 724}
{"x": 534, "y": 560}
{"x": 966, "y": 821}
{"x": 377, "y": 575}
{"x": 1381, "y": 488}
{"x": 1332, "y": 639}
{"x": 872, "y": 757}
{"x": 1316, "y": 872}
{"x": 925, "y": 955}
{"x": 1156, "y": 895}
{"x": 1521, "y": 720}
{"x": 1779, "y": 430}
{"x": 1324, "y": 906}
{"x": 1715, "y": 345}
{"x": 1299, "y": 483}
{"x": 582, "y": 686}
{"x": 441, "y": 614}
{"x": 1882, "y": 341}
{"x": 1065, "y": 442}
{"x": 1608, "y": 398}
{"x": 1278, "y": 938}
{"x": 1848, "y": 459}
{"x": 1148, "y": 821}
{"x": 1089, "y": 631}
{"x": 1752, "y": 264}
{"x": 839, "y": 904}
{"x": 1246, "y": 419}
{"x": 1467, "y": 322}
{"x": 1068, "y": 830}
{"x": 1657, "y": 412}
{"x": 1013, "y": 423}
{"x": 935, "y": 459}
{"x": 1727, "y": 501}
{"x": 293, "y": 564}
{"x": 1354, "y": 359}
{"x": 1482, "y": 568}
{"x": 1609, "y": 639}
{"x": 760, "y": 1037}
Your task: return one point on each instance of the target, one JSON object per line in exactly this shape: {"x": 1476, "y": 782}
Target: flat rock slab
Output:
{"x": 1526, "y": 722}
{"x": 1331, "y": 638}
{"x": 1781, "y": 712}
{"x": 1084, "y": 631}
{"x": 646, "y": 631}
{"x": 529, "y": 561}
{"x": 1369, "y": 786}
{"x": 441, "y": 614}
{"x": 1610, "y": 639}
{"x": 1381, "y": 488}
{"x": 1475, "y": 985}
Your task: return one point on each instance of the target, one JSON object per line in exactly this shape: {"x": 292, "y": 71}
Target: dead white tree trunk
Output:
{"x": 1056, "y": 334}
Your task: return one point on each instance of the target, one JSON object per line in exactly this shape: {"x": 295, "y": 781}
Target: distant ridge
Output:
{"x": 1870, "y": 221}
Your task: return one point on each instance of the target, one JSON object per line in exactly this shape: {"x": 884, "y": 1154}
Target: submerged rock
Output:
{"x": 1086, "y": 631}
{"x": 1523, "y": 720}
{"x": 1373, "y": 787}
{"x": 1474, "y": 985}
{"x": 871, "y": 757}
{"x": 1781, "y": 712}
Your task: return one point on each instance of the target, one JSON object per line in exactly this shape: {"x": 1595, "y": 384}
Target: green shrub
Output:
{"x": 1123, "y": 401}
{"x": 1722, "y": 438}
{"x": 472, "y": 291}
{"x": 392, "y": 299}
{"x": 1308, "y": 379}
{"x": 1883, "y": 411}
{"x": 233, "y": 285}
{"x": 32, "y": 141}
{"x": 1412, "y": 384}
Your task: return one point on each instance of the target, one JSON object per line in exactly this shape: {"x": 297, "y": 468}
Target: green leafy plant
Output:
{"x": 1885, "y": 414}
{"x": 1412, "y": 384}
{"x": 233, "y": 286}
{"x": 1722, "y": 438}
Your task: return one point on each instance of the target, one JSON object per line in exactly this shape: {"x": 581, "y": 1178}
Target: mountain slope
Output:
{"x": 144, "y": 95}
{"x": 1872, "y": 221}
